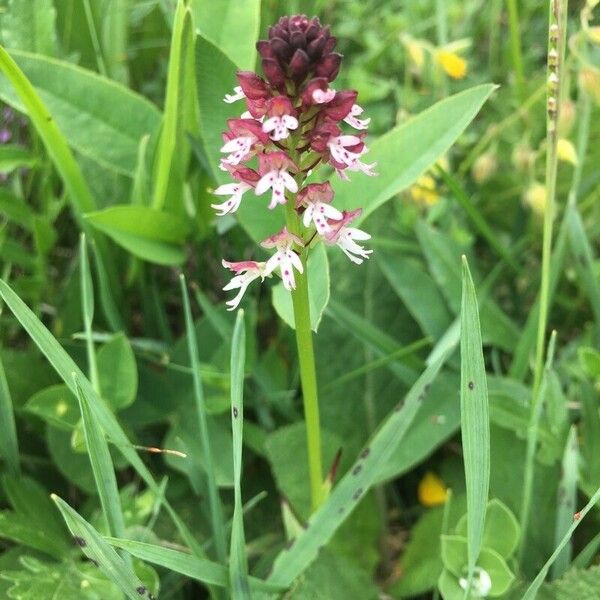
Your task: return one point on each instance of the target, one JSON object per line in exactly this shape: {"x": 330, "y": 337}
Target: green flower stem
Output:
{"x": 308, "y": 372}
{"x": 515, "y": 47}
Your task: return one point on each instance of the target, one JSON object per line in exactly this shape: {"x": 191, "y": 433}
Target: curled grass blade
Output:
{"x": 214, "y": 501}
{"x": 102, "y": 466}
{"x": 238, "y": 561}
{"x": 475, "y": 422}
{"x": 344, "y": 497}
{"x": 94, "y": 546}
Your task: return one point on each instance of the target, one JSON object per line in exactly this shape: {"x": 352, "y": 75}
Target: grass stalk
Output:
{"x": 89, "y": 17}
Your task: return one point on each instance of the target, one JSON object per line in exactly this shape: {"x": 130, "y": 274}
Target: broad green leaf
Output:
{"x": 238, "y": 561}
{"x": 56, "y": 405}
{"x": 408, "y": 150}
{"x": 418, "y": 292}
{"x": 232, "y": 26}
{"x": 501, "y": 531}
{"x": 580, "y": 584}
{"x": 9, "y": 443}
{"x": 149, "y": 234}
{"x": 454, "y": 554}
{"x": 31, "y": 501}
{"x": 324, "y": 522}
{"x": 318, "y": 290}
{"x": 83, "y": 107}
{"x": 38, "y": 580}
{"x": 102, "y": 467}
{"x": 29, "y": 25}
{"x": 16, "y": 209}
{"x": 475, "y": 422}
{"x": 117, "y": 372}
{"x": 20, "y": 529}
{"x": 97, "y": 549}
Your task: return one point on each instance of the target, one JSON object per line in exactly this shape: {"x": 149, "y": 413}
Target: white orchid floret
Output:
{"x": 345, "y": 237}
{"x": 316, "y": 199}
{"x": 235, "y": 191}
{"x": 280, "y": 118}
{"x": 245, "y": 273}
{"x": 285, "y": 258}
{"x": 274, "y": 168}
{"x": 352, "y": 119}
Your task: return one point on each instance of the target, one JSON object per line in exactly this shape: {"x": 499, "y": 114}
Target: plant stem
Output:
{"x": 515, "y": 47}
{"x": 308, "y": 372}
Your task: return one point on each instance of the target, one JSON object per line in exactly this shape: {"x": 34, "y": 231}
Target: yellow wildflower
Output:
{"x": 432, "y": 491}
{"x": 424, "y": 191}
{"x": 566, "y": 151}
{"x": 454, "y": 65}
{"x": 535, "y": 198}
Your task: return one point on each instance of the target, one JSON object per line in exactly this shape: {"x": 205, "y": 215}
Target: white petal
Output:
{"x": 226, "y": 189}
{"x": 278, "y": 196}
{"x": 331, "y": 212}
{"x": 288, "y": 181}
{"x": 237, "y": 144}
{"x": 272, "y": 263}
{"x": 348, "y": 140}
{"x": 295, "y": 260}
{"x": 307, "y": 216}
{"x": 290, "y": 122}
{"x": 287, "y": 275}
{"x": 264, "y": 183}
{"x": 271, "y": 124}
{"x": 357, "y": 234}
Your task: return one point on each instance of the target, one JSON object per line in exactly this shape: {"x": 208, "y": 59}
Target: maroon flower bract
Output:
{"x": 292, "y": 125}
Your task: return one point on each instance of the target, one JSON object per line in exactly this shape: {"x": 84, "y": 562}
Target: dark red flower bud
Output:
{"x": 329, "y": 66}
{"x": 299, "y": 65}
{"x": 281, "y": 49}
{"x": 273, "y": 72}
{"x": 253, "y": 86}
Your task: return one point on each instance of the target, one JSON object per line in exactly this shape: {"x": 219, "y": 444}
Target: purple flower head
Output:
{"x": 294, "y": 121}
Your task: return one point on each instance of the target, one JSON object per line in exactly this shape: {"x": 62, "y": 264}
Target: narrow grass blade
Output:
{"x": 94, "y": 546}
{"x": 205, "y": 571}
{"x": 567, "y": 495}
{"x": 533, "y": 589}
{"x": 54, "y": 141}
{"x": 238, "y": 561}
{"x": 87, "y": 303}
{"x": 344, "y": 497}
{"x": 214, "y": 501}
{"x": 65, "y": 367}
{"x": 102, "y": 466}
{"x": 475, "y": 422}
{"x": 9, "y": 445}
{"x": 170, "y": 135}
{"x": 217, "y": 320}
{"x": 587, "y": 555}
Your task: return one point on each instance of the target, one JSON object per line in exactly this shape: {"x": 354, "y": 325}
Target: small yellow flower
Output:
{"x": 424, "y": 192}
{"x": 566, "y": 151}
{"x": 432, "y": 491}
{"x": 454, "y": 65}
{"x": 415, "y": 51}
{"x": 535, "y": 198}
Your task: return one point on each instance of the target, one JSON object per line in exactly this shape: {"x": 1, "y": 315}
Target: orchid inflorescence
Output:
{"x": 292, "y": 124}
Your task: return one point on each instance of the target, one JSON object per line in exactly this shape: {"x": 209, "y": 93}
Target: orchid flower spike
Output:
{"x": 284, "y": 258}
{"x": 245, "y": 273}
{"x": 344, "y": 237}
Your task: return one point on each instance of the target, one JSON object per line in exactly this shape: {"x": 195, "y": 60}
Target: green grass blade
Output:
{"x": 216, "y": 319}
{"x": 54, "y": 141}
{"x": 205, "y": 571}
{"x": 9, "y": 445}
{"x": 94, "y": 546}
{"x": 567, "y": 496}
{"x": 214, "y": 501}
{"x": 102, "y": 467}
{"x": 87, "y": 303}
{"x": 170, "y": 135}
{"x": 64, "y": 365}
{"x": 475, "y": 422}
{"x": 238, "y": 561}
{"x": 587, "y": 555}
{"x": 344, "y": 497}
{"x": 533, "y": 589}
